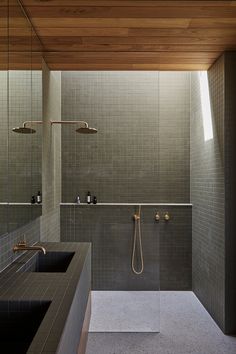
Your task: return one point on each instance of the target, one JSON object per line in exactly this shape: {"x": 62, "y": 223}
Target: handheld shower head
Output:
{"x": 86, "y": 130}
{"x": 23, "y": 130}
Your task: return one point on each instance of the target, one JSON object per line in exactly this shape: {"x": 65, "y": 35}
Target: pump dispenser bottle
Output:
{"x": 39, "y": 198}
{"x": 95, "y": 200}
{"x": 89, "y": 198}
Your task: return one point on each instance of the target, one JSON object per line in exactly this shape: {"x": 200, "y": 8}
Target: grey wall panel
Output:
{"x": 141, "y": 150}
{"x": 208, "y": 196}
{"x": 140, "y": 154}
{"x": 51, "y": 167}
{"x": 166, "y": 246}
{"x": 31, "y": 231}
{"x": 230, "y": 192}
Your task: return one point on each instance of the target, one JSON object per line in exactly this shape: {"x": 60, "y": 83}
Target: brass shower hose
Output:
{"x": 137, "y": 238}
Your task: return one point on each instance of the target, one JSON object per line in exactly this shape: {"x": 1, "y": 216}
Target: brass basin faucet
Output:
{"x": 22, "y": 246}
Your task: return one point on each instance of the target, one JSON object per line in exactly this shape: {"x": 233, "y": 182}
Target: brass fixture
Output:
{"x": 157, "y": 216}
{"x": 166, "y": 216}
{"x": 22, "y": 246}
{"x": 27, "y": 126}
{"x": 26, "y": 130}
{"x": 136, "y": 217}
{"x": 137, "y": 240}
{"x": 83, "y": 129}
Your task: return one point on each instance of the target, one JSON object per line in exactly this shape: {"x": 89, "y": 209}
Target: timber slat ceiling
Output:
{"x": 131, "y": 34}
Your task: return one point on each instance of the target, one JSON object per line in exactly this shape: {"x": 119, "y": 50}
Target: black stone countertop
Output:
{"x": 58, "y": 289}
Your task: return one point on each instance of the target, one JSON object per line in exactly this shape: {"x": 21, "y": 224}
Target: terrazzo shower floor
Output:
{"x": 125, "y": 311}
{"x": 186, "y": 328}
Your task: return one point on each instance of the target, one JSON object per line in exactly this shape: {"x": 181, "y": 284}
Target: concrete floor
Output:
{"x": 186, "y": 328}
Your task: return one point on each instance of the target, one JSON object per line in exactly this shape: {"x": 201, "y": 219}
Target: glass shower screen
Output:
{"x": 118, "y": 165}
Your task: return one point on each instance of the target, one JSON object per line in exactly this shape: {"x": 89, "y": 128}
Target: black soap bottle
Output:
{"x": 39, "y": 198}
{"x": 94, "y": 200}
{"x": 33, "y": 201}
{"x": 89, "y": 198}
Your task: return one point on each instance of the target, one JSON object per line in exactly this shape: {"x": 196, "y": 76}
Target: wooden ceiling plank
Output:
{"x": 139, "y": 48}
{"x": 113, "y": 61}
{"x": 124, "y": 3}
{"x": 79, "y": 12}
{"x": 155, "y": 40}
{"x": 112, "y": 23}
{"x": 134, "y": 32}
{"x": 75, "y": 32}
{"x": 135, "y": 48}
{"x": 135, "y": 55}
{"x": 55, "y": 57}
{"x": 176, "y": 32}
{"x": 120, "y": 67}
{"x": 213, "y": 23}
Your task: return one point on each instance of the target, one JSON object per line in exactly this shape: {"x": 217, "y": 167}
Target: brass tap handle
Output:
{"x": 157, "y": 216}
{"x": 166, "y": 216}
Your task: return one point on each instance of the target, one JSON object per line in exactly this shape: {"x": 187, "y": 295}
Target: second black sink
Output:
{"x": 19, "y": 322}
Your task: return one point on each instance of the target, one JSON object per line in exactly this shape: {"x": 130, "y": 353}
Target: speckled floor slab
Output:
{"x": 125, "y": 311}
{"x": 186, "y": 328}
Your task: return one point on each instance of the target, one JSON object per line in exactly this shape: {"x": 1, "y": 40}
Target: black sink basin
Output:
{"x": 19, "y": 322}
{"x": 51, "y": 262}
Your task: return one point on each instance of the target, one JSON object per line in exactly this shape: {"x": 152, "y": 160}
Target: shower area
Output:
{"x": 138, "y": 168}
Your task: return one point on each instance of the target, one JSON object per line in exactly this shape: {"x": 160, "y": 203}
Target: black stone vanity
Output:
{"x": 43, "y": 300}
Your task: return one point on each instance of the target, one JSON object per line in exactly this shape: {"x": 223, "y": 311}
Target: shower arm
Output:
{"x": 33, "y": 122}
{"x": 70, "y": 122}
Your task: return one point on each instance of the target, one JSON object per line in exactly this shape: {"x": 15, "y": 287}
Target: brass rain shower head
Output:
{"x": 27, "y": 130}
{"x": 86, "y": 130}
{"x": 23, "y": 130}
{"x": 83, "y": 128}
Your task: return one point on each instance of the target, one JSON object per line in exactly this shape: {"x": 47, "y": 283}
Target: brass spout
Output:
{"x": 22, "y": 246}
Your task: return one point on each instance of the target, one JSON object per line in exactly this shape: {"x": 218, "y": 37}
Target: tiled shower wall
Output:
{"x": 7, "y": 241}
{"x": 46, "y": 227}
{"x": 213, "y": 171}
{"x": 140, "y": 154}
{"x": 230, "y": 192}
{"x": 20, "y": 178}
{"x": 20, "y": 160}
{"x": 25, "y": 151}
{"x": 3, "y": 140}
{"x": 141, "y": 150}
{"x": 166, "y": 245}
{"x": 51, "y": 164}
{"x": 207, "y": 196}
